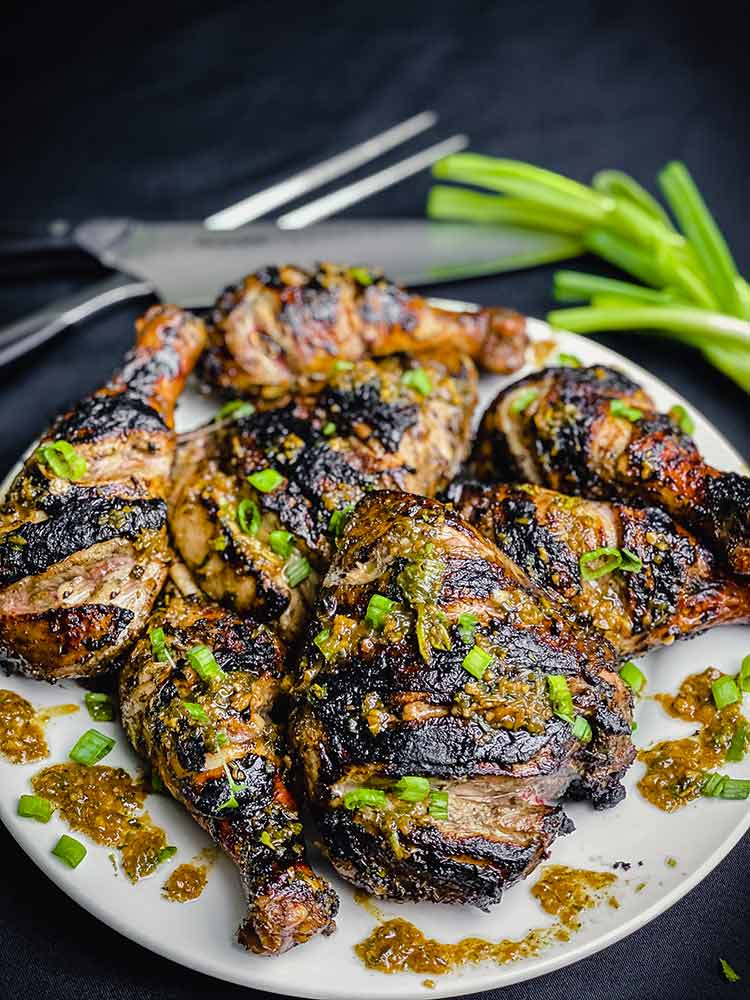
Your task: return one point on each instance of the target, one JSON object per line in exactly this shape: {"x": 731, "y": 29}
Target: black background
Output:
{"x": 175, "y": 111}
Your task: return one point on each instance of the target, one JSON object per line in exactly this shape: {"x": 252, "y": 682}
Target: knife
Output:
{"x": 186, "y": 263}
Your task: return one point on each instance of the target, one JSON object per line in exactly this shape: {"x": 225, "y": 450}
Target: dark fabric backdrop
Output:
{"x": 173, "y": 111}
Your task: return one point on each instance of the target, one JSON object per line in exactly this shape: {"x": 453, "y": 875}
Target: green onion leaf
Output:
{"x": 99, "y": 706}
{"x": 568, "y": 361}
{"x": 92, "y": 747}
{"x": 467, "y": 626}
{"x": 63, "y": 459}
{"x": 203, "y": 662}
{"x": 411, "y": 788}
{"x": 378, "y": 609}
{"x": 297, "y": 568}
{"x": 679, "y": 415}
{"x": 619, "y": 408}
{"x": 438, "y": 805}
{"x": 725, "y": 691}
{"x": 735, "y": 788}
{"x": 630, "y": 562}
{"x": 266, "y": 481}
{"x": 743, "y": 677}
{"x": 197, "y": 712}
{"x": 361, "y": 798}
{"x": 582, "y": 729}
{"x": 361, "y": 275}
{"x": 320, "y": 640}
{"x": 560, "y": 696}
{"x": 265, "y": 838}
{"x": 222, "y": 739}
{"x": 35, "y": 807}
{"x": 248, "y": 517}
{"x": 329, "y": 429}
{"x": 228, "y": 803}
{"x": 476, "y": 661}
{"x": 729, "y": 974}
{"x": 236, "y": 409}
{"x": 632, "y": 676}
{"x": 417, "y": 378}
{"x": 158, "y": 645}
{"x": 523, "y": 399}
{"x": 166, "y": 853}
{"x": 738, "y": 746}
{"x": 338, "y": 519}
{"x": 606, "y": 559}
{"x": 712, "y": 785}
{"x": 282, "y": 542}
{"x": 69, "y": 850}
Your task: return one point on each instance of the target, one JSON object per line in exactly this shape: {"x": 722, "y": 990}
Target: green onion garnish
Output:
{"x": 99, "y": 706}
{"x": 197, "y": 712}
{"x": 560, "y": 696}
{"x": 282, "y": 542}
{"x": 679, "y": 415}
{"x": 63, "y": 459}
{"x": 631, "y": 563}
{"x": 265, "y": 838}
{"x": 523, "y": 399}
{"x": 158, "y": 645}
{"x": 248, "y": 517}
{"x": 725, "y": 691}
{"x": 266, "y": 481}
{"x": 411, "y": 788}
{"x": 236, "y": 409}
{"x": 476, "y": 661}
{"x": 438, "y": 805}
{"x": 729, "y": 974}
{"x": 231, "y": 802}
{"x": 297, "y": 568}
{"x": 738, "y": 746}
{"x": 329, "y": 429}
{"x": 166, "y": 853}
{"x": 343, "y": 366}
{"x": 632, "y": 676}
{"x": 338, "y": 519}
{"x": 220, "y": 543}
{"x": 619, "y": 408}
{"x": 712, "y": 785}
{"x": 203, "y": 662}
{"x": 582, "y": 729}
{"x": 608, "y": 559}
{"x": 568, "y": 361}
{"x": 378, "y": 609}
{"x": 35, "y": 807}
{"x": 418, "y": 379}
{"x": 92, "y": 747}
{"x": 320, "y": 639}
{"x": 467, "y": 626}
{"x": 743, "y": 677}
{"x": 735, "y": 788}
{"x": 363, "y": 797}
{"x": 361, "y": 275}
{"x": 221, "y": 739}
{"x": 69, "y": 850}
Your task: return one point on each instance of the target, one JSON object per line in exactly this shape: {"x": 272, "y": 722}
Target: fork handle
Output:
{"x": 37, "y": 328}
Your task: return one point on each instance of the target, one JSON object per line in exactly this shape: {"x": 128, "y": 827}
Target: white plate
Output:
{"x": 200, "y": 935}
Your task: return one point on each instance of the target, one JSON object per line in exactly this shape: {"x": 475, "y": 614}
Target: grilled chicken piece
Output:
{"x": 214, "y": 743}
{"x": 282, "y": 328}
{"x": 593, "y": 432}
{"x": 388, "y": 693}
{"x": 679, "y": 591}
{"x": 371, "y": 427}
{"x": 83, "y": 529}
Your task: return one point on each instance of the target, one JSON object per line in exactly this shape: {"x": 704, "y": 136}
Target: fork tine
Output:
{"x": 343, "y": 163}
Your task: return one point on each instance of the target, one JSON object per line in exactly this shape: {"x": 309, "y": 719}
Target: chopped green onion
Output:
{"x": 632, "y": 676}
{"x": 320, "y": 640}
{"x": 35, "y": 807}
{"x": 231, "y": 802}
{"x": 69, "y": 850}
{"x": 343, "y": 366}
{"x": 158, "y": 645}
{"x": 166, "y": 853}
{"x": 682, "y": 418}
{"x": 438, "y": 805}
{"x": 228, "y": 803}
{"x": 735, "y": 788}
{"x": 236, "y": 409}
{"x": 266, "y": 481}
{"x": 729, "y": 974}
{"x": 568, "y": 361}
{"x": 63, "y": 459}
{"x": 361, "y": 275}
{"x": 743, "y": 677}
{"x": 417, "y": 378}
{"x": 220, "y": 543}
{"x": 631, "y": 563}
{"x": 609, "y": 559}
{"x": 476, "y": 661}
{"x": 99, "y": 706}
{"x": 92, "y": 747}
{"x": 360, "y": 798}
{"x": 378, "y": 609}
{"x": 560, "y": 696}
{"x": 725, "y": 691}
{"x": 712, "y": 785}
{"x": 197, "y": 712}
{"x": 221, "y": 739}
{"x": 411, "y": 788}
{"x": 265, "y": 838}
{"x": 738, "y": 746}
{"x": 329, "y": 429}
{"x": 523, "y": 399}
{"x": 467, "y": 626}
{"x": 297, "y": 568}
{"x": 619, "y": 408}
{"x": 282, "y": 542}
{"x": 203, "y": 662}
{"x": 582, "y": 729}
{"x": 248, "y": 517}
{"x": 338, "y": 519}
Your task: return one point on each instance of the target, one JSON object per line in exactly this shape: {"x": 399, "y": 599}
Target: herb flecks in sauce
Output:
{"x": 186, "y": 882}
{"x": 398, "y": 946}
{"x": 22, "y": 739}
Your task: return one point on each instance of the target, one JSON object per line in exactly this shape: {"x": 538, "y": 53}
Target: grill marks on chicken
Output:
{"x": 680, "y": 591}
{"x": 367, "y": 429}
{"x": 83, "y": 555}
{"x": 281, "y": 329}
{"x": 375, "y": 704}
{"x": 568, "y": 438}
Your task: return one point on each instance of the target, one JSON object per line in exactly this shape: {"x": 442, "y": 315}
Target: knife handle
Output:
{"x": 37, "y": 328}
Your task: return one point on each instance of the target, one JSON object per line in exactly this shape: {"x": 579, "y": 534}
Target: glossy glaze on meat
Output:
{"x": 367, "y": 429}
{"x": 83, "y": 559}
{"x": 282, "y": 329}
{"x": 198, "y": 735}
{"x": 680, "y": 591}
{"x": 376, "y": 704}
{"x": 568, "y": 438}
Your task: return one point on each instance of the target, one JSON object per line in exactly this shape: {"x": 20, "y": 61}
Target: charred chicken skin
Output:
{"x": 83, "y": 528}
{"x": 197, "y": 696}
{"x": 282, "y": 329}
{"x": 593, "y": 432}
{"x": 433, "y": 757}
{"x": 258, "y": 500}
{"x": 679, "y": 590}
